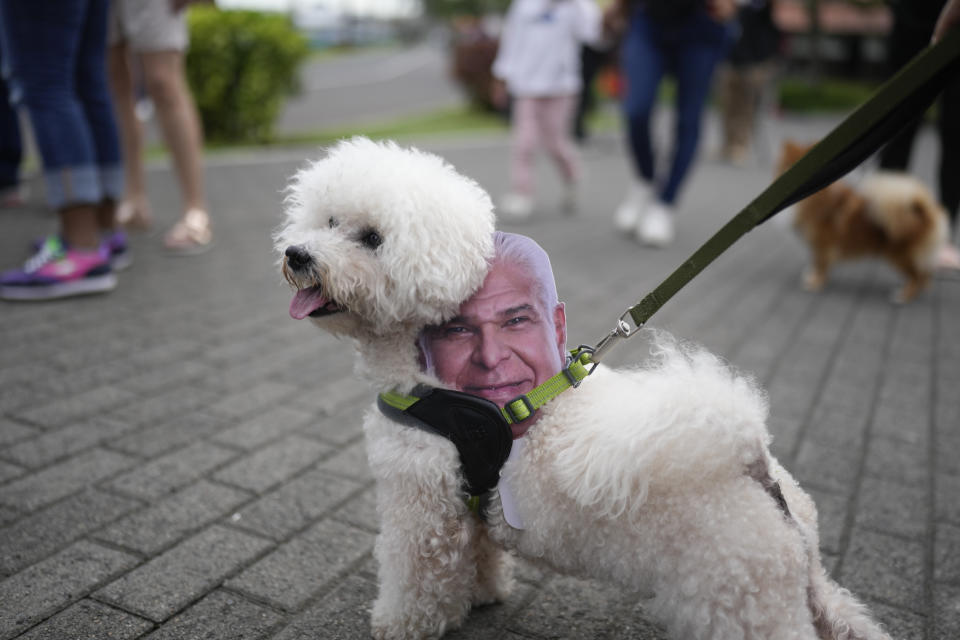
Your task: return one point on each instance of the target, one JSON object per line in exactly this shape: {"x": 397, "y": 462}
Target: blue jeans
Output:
{"x": 57, "y": 58}
{"x": 11, "y": 145}
{"x": 690, "y": 50}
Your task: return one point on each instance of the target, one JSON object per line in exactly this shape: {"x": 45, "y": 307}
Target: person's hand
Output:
{"x": 721, "y": 10}
{"x": 949, "y": 19}
{"x": 498, "y": 93}
{"x": 615, "y": 20}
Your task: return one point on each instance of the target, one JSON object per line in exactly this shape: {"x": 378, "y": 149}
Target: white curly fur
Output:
{"x": 651, "y": 478}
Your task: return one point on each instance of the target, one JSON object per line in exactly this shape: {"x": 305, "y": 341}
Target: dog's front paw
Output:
{"x": 410, "y": 624}
{"x": 813, "y": 281}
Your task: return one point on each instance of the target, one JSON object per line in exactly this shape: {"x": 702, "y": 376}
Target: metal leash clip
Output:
{"x": 620, "y": 332}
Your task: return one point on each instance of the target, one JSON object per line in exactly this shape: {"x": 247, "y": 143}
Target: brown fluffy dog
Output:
{"x": 892, "y": 216}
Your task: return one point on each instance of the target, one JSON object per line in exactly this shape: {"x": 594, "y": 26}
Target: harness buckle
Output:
{"x": 576, "y": 355}
{"x": 514, "y": 417}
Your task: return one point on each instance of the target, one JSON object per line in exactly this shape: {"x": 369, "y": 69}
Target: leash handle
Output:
{"x": 902, "y": 98}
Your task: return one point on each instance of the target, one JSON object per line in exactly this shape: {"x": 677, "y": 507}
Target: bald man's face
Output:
{"x": 503, "y": 343}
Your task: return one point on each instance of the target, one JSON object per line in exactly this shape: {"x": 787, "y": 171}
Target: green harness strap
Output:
{"x": 523, "y": 406}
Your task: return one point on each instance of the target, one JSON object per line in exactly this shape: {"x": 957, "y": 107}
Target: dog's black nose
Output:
{"x": 297, "y": 257}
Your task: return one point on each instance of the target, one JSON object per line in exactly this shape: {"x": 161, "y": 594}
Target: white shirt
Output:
{"x": 539, "y": 52}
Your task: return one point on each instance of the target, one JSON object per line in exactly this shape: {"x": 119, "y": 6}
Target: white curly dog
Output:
{"x": 658, "y": 479}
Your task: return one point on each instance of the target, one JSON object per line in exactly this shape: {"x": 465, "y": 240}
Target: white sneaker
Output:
{"x": 656, "y": 227}
{"x": 516, "y": 206}
{"x": 628, "y": 214}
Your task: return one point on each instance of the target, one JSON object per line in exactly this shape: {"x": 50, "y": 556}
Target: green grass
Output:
{"x": 796, "y": 96}
{"x": 829, "y": 95}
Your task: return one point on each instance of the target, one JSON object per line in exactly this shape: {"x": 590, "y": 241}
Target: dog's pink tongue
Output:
{"x": 306, "y": 301}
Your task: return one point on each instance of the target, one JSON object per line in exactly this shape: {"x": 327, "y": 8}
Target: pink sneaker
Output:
{"x": 58, "y": 272}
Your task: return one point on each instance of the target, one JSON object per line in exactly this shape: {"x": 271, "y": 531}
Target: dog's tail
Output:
{"x": 903, "y": 207}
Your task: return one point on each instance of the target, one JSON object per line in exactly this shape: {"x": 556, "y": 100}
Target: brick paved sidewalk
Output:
{"x": 180, "y": 459}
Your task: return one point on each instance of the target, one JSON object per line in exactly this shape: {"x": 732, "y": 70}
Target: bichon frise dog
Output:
{"x": 657, "y": 479}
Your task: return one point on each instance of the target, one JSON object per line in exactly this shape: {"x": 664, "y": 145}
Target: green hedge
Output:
{"x": 241, "y": 66}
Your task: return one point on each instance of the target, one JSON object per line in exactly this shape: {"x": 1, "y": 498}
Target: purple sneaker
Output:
{"x": 116, "y": 241}
{"x": 58, "y": 272}
{"x": 120, "y": 256}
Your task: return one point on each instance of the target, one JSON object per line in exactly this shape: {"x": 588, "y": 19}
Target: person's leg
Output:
{"x": 523, "y": 144}
{"x": 904, "y": 42}
{"x": 166, "y": 82}
{"x": 557, "y": 114}
{"x": 93, "y": 90}
{"x": 518, "y": 202}
{"x": 642, "y": 64}
{"x": 556, "y": 119}
{"x": 949, "y": 129}
{"x": 135, "y": 209}
{"x": 696, "y": 60}
{"x": 11, "y": 144}
{"x": 45, "y": 56}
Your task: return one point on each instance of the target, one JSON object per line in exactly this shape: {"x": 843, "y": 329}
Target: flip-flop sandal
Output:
{"x": 132, "y": 217}
{"x": 191, "y": 235}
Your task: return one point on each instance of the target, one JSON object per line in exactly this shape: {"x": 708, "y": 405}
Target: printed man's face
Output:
{"x": 503, "y": 342}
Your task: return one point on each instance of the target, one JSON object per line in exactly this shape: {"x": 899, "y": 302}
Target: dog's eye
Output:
{"x": 333, "y": 222}
{"x": 371, "y": 239}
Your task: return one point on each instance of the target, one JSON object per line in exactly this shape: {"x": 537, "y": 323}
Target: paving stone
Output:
{"x": 11, "y": 432}
{"x": 899, "y": 623}
{"x": 948, "y": 507}
{"x": 293, "y": 573}
{"x": 350, "y": 462}
{"x": 179, "y": 401}
{"x": 170, "y": 472}
{"x": 61, "y": 410}
{"x": 831, "y": 518}
{"x": 343, "y": 614}
{"x": 295, "y": 504}
{"x": 272, "y": 464}
{"x": 824, "y": 467}
{"x": 169, "y": 434}
{"x": 360, "y": 511}
{"x": 569, "y": 608}
{"x": 167, "y": 375}
{"x": 89, "y": 620}
{"x": 167, "y": 521}
{"x": 346, "y": 394}
{"x": 946, "y": 563}
{"x": 170, "y": 581}
{"x": 898, "y": 461}
{"x": 221, "y": 616}
{"x": 62, "y": 442}
{"x": 49, "y": 485}
{"x": 946, "y": 612}
{"x": 46, "y": 587}
{"x": 885, "y": 567}
{"x": 341, "y": 428}
{"x": 41, "y": 534}
{"x": 248, "y": 401}
{"x": 10, "y": 471}
{"x": 893, "y": 508}
{"x": 265, "y": 427}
